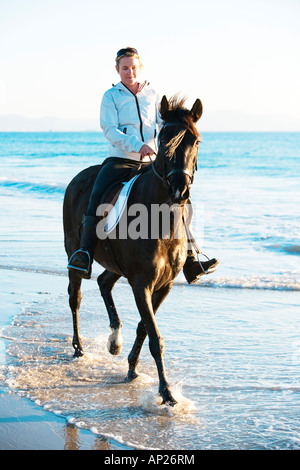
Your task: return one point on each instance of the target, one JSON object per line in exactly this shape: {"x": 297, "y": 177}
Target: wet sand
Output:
{"x": 23, "y": 424}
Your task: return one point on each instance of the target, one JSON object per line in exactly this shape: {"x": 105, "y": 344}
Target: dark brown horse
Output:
{"x": 150, "y": 264}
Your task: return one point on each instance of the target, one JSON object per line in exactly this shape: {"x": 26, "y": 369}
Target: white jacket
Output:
{"x": 129, "y": 121}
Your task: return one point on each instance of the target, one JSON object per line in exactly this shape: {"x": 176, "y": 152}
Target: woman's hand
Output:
{"x": 146, "y": 151}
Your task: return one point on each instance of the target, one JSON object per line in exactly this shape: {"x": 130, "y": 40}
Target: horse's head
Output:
{"x": 178, "y": 147}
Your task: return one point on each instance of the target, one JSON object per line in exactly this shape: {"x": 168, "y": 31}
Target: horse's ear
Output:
{"x": 164, "y": 107}
{"x": 197, "y": 110}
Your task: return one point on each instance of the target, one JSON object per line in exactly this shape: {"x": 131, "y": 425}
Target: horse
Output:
{"x": 150, "y": 264}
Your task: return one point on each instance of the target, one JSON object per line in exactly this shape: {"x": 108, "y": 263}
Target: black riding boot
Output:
{"x": 193, "y": 268}
{"x": 82, "y": 259}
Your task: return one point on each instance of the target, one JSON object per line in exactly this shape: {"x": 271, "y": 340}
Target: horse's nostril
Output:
{"x": 177, "y": 194}
{"x": 180, "y": 195}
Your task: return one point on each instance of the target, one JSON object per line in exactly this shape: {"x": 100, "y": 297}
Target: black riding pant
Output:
{"x": 113, "y": 170}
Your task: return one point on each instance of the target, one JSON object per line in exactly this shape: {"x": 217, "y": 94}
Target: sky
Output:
{"x": 240, "y": 57}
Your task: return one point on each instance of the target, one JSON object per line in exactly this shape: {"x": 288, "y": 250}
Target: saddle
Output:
{"x": 116, "y": 196}
{"x": 115, "y": 199}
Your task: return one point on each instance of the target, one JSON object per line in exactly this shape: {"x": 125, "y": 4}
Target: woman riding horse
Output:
{"x": 129, "y": 118}
{"x": 150, "y": 264}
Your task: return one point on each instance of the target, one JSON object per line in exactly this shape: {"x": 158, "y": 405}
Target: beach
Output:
{"x": 25, "y": 425}
{"x": 231, "y": 341}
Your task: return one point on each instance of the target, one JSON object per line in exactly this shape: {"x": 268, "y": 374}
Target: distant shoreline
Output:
{"x": 91, "y": 131}
{"x": 212, "y": 121}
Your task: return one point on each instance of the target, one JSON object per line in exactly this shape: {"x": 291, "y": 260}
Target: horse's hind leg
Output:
{"x": 106, "y": 282}
{"x": 134, "y": 354}
{"x": 141, "y": 333}
{"x": 74, "y": 302}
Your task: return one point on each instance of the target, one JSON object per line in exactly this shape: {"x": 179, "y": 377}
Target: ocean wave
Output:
{"x": 32, "y": 186}
{"x": 292, "y": 249}
{"x": 280, "y": 282}
{"x": 34, "y": 269}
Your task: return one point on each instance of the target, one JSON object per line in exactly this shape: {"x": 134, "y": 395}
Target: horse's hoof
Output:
{"x": 131, "y": 376}
{"x": 113, "y": 348}
{"x": 78, "y": 353}
{"x": 167, "y": 397}
{"x": 114, "y": 343}
{"x": 169, "y": 402}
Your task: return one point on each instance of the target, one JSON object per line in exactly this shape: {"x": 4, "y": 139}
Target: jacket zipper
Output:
{"x": 140, "y": 117}
{"x": 139, "y": 112}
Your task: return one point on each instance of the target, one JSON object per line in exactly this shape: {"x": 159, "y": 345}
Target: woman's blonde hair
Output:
{"x": 127, "y": 52}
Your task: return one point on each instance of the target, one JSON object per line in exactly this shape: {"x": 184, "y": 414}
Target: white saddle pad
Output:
{"x": 117, "y": 210}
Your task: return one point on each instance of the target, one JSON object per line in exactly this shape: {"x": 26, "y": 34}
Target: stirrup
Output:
{"x": 209, "y": 270}
{"x": 192, "y": 241}
{"x": 83, "y": 270}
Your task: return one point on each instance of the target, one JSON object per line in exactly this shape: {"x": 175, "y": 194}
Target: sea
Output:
{"x": 232, "y": 344}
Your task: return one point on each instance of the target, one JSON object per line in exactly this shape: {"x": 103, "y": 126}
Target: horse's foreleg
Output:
{"x": 106, "y": 282}
{"x": 74, "y": 302}
{"x": 141, "y": 333}
{"x": 156, "y": 343}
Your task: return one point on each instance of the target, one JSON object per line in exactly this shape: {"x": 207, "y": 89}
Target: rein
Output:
{"x": 188, "y": 232}
{"x": 156, "y": 173}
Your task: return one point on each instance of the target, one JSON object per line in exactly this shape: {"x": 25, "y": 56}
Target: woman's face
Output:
{"x": 128, "y": 70}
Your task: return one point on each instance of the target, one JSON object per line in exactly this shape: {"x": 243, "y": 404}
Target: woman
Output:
{"x": 129, "y": 117}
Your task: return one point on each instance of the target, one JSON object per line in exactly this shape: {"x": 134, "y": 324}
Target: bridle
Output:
{"x": 165, "y": 179}
{"x": 183, "y": 171}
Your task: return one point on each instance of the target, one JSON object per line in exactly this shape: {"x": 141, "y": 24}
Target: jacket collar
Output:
{"x": 123, "y": 87}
